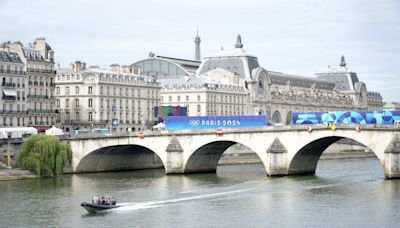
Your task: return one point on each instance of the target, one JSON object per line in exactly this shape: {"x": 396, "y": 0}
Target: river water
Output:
{"x": 342, "y": 193}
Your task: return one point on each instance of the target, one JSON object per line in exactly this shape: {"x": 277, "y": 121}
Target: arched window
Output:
{"x": 289, "y": 118}
{"x": 276, "y": 117}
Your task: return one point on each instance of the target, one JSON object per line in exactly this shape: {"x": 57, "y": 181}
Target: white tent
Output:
{"x": 54, "y": 131}
{"x": 159, "y": 126}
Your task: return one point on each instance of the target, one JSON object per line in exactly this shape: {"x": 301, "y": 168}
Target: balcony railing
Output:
{"x": 38, "y": 96}
{"x": 41, "y": 71}
{"x": 13, "y": 112}
{"x": 12, "y": 72}
{"x": 86, "y": 122}
{"x": 8, "y": 84}
{"x": 42, "y": 111}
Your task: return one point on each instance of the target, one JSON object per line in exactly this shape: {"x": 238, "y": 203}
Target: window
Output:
{"x": 77, "y": 116}
{"x": 198, "y": 108}
{"x": 187, "y": 98}
{"x": 170, "y": 98}
{"x": 179, "y": 98}
{"x": 90, "y": 103}
{"x": 57, "y": 103}
{"x": 66, "y": 103}
{"x": 90, "y": 90}
{"x": 77, "y": 103}
{"x": 198, "y": 98}
{"x": 90, "y": 117}
{"x": 76, "y": 89}
{"x": 67, "y": 117}
{"x": 67, "y": 90}
{"x": 57, "y": 90}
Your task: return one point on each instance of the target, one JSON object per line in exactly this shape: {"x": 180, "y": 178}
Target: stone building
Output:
{"x": 208, "y": 95}
{"x": 89, "y": 98}
{"x": 374, "y": 101}
{"x": 13, "y": 101}
{"x": 391, "y": 106}
{"x": 264, "y": 92}
{"x": 38, "y": 61}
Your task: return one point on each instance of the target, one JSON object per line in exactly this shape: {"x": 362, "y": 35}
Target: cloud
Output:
{"x": 295, "y": 36}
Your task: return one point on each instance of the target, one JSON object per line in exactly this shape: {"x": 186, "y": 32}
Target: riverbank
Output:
{"x": 16, "y": 174}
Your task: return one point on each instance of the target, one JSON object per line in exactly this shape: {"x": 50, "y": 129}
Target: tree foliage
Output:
{"x": 45, "y": 155}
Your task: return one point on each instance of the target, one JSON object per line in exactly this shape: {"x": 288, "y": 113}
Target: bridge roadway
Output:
{"x": 283, "y": 150}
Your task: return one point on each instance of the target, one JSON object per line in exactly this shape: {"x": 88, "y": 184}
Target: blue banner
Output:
{"x": 368, "y": 117}
{"x": 175, "y": 123}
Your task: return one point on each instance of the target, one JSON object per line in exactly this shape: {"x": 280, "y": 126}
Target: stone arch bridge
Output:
{"x": 283, "y": 150}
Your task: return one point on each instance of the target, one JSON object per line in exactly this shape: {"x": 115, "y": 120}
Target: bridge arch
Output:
{"x": 205, "y": 158}
{"x": 306, "y": 159}
{"x": 118, "y": 158}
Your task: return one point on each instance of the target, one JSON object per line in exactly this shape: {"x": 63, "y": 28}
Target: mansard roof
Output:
{"x": 9, "y": 57}
{"x": 280, "y": 78}
{"x": 236, "y": 61}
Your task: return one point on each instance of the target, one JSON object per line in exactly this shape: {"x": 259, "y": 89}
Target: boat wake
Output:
{"x": 167, "y": 202}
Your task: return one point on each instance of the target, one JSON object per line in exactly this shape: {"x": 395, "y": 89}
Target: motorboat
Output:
{"x": 100, "y": 204}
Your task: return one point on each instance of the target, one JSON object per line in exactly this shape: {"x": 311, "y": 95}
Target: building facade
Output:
{"x": 277, "y": 94}
{"x": 391, "y": 106}
{"x": 203, "y": 96}
{"x": 13, "y": 101}
{"x": 38, "y": 60}
{"x": 374, "y": 101}
{"x": 89, "y": 98}
{"x": 264, "y": 92}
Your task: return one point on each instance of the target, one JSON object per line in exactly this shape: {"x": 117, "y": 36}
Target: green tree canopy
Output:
{"x": 45, "y": 155}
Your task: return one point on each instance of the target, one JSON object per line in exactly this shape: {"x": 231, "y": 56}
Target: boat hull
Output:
{"x": 93, "y": 208}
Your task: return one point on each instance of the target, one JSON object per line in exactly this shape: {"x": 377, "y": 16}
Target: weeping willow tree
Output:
{"x": 45, "y": 155}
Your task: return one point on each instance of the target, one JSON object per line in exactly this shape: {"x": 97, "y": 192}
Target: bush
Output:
{"x": 45, "y": 155}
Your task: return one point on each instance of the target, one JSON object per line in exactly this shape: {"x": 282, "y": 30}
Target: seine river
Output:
{"x": 343, "y": 193}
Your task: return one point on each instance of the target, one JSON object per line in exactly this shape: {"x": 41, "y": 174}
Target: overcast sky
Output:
{"x": 294, "y": 36}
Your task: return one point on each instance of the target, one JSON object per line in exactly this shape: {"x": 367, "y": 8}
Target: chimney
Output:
{"x": 78, "y": 66}
{"x": 40, "y": 45}
{"x": 125, "y": 69}
{"x": 115, "y": 68}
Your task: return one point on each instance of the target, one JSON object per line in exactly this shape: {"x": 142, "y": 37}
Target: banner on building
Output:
{"x": 367, "y": 117}
{"x": 163, "y": 111}
{"x": 175, "y": 123}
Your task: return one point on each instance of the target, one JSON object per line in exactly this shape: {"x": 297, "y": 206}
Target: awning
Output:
{"x": 10, "y": 92}
{"x": 42, "y": 128}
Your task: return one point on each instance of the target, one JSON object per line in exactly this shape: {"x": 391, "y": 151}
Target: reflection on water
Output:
{"x": 342, "y": 193}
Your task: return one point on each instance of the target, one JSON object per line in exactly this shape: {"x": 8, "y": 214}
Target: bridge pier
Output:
{"x": 277, "y": 159}
{"x": 174, "y": 164}
{"x": 391, "y": 163}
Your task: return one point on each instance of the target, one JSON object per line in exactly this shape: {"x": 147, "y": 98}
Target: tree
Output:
{"x": 45, "y": 155}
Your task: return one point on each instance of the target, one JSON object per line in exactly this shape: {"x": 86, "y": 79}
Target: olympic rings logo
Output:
{"x": 194, "y": 122}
